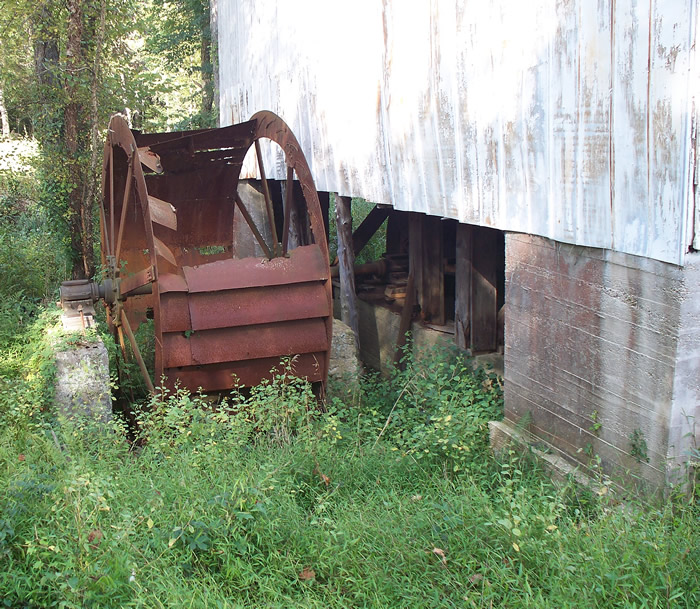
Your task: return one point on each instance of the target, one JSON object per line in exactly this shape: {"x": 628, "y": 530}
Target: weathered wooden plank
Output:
{"x": 397, "y": 233}
{"x": 630, "y": 135}
{"x": 672, "y": 38}
{"x": 426, "y": 264}
{"x": 484, "y": 299}
{"x": 463, "y": 286}
{"x": 553, "y": 118}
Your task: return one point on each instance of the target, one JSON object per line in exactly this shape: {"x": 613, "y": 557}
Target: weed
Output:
{"x": 638, "y": 446}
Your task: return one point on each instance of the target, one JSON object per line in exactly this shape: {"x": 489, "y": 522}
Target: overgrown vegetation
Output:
{"x": 390, "y": 498}
{"x": 67, "y": 66}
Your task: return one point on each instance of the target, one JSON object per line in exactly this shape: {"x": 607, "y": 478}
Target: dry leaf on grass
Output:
{"x": 95, "y": 536}
{"x": 307, "y": 574}
{"x": 441, "y": 554}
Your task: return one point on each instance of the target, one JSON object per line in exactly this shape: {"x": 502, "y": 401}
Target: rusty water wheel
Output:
{"x": 218, "y": 321}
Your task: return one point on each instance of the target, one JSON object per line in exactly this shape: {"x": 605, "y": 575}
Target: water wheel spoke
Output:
{"x": 137, "y": 352}
{"x": 268, "y": 199}
{"x": 110, "y": 241}
{"x": 288, "y": 202}
{"x": 122, "y": 344}
{"x": 103, "y": 233}
{"x": 253, "y": 227}
{"x": 138, "y": 283}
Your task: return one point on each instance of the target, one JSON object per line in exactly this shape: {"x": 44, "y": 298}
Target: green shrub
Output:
{"x": 32, "y": 260}
{"x": 437, "y": 408}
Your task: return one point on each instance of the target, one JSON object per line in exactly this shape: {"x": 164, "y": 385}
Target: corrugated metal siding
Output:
{"x": 569, "y": 119}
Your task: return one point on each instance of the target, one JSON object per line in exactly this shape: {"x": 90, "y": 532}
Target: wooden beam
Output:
{"x": 346, "y": 262}
{"x": 299, "y": 231}
{"x": 368, "y": 227}
{"x": 463, "y": 286}
{"x": 415, "y": 253}
{"x": 484, "y": 302}
{"x": 433, "y": 304}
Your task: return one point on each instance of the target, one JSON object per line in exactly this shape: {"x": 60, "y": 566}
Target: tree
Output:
{"x": 67, "y": 65}
{"x": 72, "y": 41}
{"x": 4, "y": 119}
{"x": 180, "y": 35}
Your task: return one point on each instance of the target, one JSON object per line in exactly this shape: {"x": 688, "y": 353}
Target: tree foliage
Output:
{"x": 68, "y": 65}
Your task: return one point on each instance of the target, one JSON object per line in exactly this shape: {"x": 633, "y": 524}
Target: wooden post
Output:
{"x": 427, "y": 265}
{"x": 299, "y": 231}
{"x": 346, "y": 261}
{"x": 433, "y": 271}
{"x": 484, "y": 302}
{"x": 397, "y": 233}
{"x": 463, "y": 286}
{"x": 415, "y": 253}
{"x": 324, "y": 199}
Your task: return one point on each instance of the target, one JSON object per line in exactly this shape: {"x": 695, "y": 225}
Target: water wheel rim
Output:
{"x": 113, "y": 229}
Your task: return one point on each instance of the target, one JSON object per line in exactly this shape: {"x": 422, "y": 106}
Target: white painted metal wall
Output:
{"x": 569, "y": 119}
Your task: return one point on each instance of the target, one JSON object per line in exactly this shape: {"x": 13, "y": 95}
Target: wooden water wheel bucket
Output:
{"x": 176, "y": 243}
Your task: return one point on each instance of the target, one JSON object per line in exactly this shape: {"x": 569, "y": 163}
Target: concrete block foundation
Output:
{"x": 82, "y": 382}
{"x": 602, "y": 357}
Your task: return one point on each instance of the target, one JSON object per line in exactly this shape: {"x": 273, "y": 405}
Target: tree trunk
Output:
{"x": 206, "y": 67}
{"x": 83, "y": 265}
{"x": 214, "y": 31}
{"x": 90, "y": 180}
{"x": 4, "y": 120}
{"x": 45, "y": 50}
{"x": 346, "y": 262}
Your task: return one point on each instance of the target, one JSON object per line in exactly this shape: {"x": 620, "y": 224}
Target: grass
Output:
{"x": 264, "y": 503}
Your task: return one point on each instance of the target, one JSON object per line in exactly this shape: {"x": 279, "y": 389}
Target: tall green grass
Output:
{"x": 262, "y": 501}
